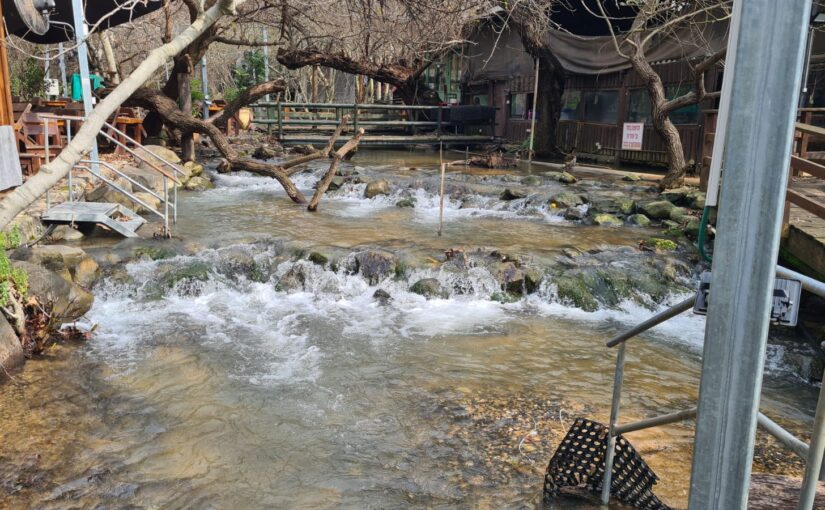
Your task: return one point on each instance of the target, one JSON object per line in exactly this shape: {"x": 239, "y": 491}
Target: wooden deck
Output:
{"x": 392, "y": 140}
{"x": 804, "y": 244}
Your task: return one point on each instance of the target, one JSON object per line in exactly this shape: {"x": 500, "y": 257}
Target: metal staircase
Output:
{"x": 113, "y": 216}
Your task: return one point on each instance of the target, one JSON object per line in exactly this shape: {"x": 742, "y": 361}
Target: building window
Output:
{"x": 601, "y": 106}
{"x": 570, "y": 103}
{"x": 639, "y": 107}
{"x": 480, "y": 100}
{"x": 521, "y": 106}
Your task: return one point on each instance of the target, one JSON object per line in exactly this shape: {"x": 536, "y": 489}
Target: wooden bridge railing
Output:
{"x": 381, "y": 116}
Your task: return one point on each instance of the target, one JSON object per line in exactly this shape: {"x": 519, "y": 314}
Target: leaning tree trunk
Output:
{"x": 51, "y": 173}
{"x": 677, "y": 167}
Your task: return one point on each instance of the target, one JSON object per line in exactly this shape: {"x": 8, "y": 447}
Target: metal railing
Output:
{"x": 92, "y": 167}
{"x": 812, "y": 455}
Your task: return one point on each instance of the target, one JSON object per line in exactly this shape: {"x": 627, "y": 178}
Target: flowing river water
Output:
{"x": 228, "y": 390}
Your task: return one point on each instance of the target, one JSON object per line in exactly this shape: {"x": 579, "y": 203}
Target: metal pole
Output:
{"x": 657, "y": 319}
{"x": 803, "y": 97}
{"x": 813, "y": 464}
{"x": 81, "y": 32}
{"x": 441, "y": 200}
{"x": 618, "y": 378}
{"x": 533, "y": 119}
{"x": 166, "y": 207}
{"x": 62, "y": 60}
{"x": 205, "y": 88}
{"x": 769, "y": 52}
{"x": 71, "y": 171}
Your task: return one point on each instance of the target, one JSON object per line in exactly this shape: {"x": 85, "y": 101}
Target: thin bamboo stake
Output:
{"x": 441, "y": 206}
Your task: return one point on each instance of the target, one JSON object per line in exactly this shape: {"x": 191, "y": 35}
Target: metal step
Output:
{"x": 119, "y": 218}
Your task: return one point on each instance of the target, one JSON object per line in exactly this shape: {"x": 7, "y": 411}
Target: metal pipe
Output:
{"x": 656, "y": 421}
{"x": 813, "y": 463}
{"x": 205, "y": 88}
{"x": 166, "y": 205}
{"x": 81, "y": 32}
{"x": 138, "y": 156}
{"x": 46, "y": 138}
{"x": 811, "y": 285}
{"x": 769, "y": 51}
{"x": 129, "y": 139}
{"x": 62, "y": 60}
{"x": 793, "y": 443}
{"x": 618, "y": 378}
{"x": 657, "y": 319}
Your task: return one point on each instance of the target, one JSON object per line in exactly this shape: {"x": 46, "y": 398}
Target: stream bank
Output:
{"x": 351, "y": 357}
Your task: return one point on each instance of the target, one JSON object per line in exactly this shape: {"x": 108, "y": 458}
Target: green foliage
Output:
{"x": 231, "y": 94}
{"x": 250, "y": 70}
{"x": 11, "y": 279}
{"x": 196, "y": 91}
{"x": 11, "y": 240}
{"x": 27, "y": 79}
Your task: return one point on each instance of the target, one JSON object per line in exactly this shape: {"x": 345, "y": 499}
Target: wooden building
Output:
{"x": 601, "y": 93}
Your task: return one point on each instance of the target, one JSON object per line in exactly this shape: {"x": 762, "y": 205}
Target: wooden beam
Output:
{"x": 810, "y": 130}
{"x": 6, "y": 110}
{"x": 812, "y": 206}
{"x": 808, "y": 166}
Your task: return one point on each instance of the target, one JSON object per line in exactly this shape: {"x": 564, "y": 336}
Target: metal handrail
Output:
{"x": 125, "y": 176}
{"x": 813, "y": 454}
{"x": 121, "y": 190}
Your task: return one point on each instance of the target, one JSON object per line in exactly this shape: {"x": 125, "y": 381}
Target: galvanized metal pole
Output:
{"x": 813, "y": 464}
{"x": 81, "y": 32}
{"x": 769, "y": 53}
{"x": 205, "y": 88}
{"x": 63, "y": 81}
{"x": 618, "y": 380}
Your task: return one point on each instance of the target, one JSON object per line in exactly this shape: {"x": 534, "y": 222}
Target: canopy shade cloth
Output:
{"x": 112, "y": 12}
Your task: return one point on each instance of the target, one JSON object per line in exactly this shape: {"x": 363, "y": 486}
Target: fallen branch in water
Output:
{"x": 337, "y": 156}
{"x": 172, "y": 115}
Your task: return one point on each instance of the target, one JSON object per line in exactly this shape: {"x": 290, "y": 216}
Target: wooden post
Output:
{"x": 280, "y": 122}
{"x": 6, "y": 109}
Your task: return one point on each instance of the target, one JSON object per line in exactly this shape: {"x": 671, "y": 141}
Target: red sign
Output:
{"x": 632, "y": 135}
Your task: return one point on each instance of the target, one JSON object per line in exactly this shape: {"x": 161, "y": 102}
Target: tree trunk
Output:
{"x": 111, "y": 62}
{"x": 187, "y": 140}
{"x": 51, "y": 173}
{"x": 661, "y": 122}
{"x": 551, "y": 87}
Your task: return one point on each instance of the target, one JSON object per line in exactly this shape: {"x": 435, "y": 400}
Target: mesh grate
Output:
{"x": 579, "y": 461}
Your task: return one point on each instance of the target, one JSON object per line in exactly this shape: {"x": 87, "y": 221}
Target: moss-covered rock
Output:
{"x": 565, "y": 199}
{"x": 607, "y": 220}
{"x": 531, "y": 180}
{"x": 573, "y": 291}
{"x": 512, "y": 194}
{"x": 428, "y": 287}
{"x": 567, "y": 178}
{"x": 639, "y": 220}
{"x": 406, "y": 202}
{"x": 659, "y": 209}
{"x": 679, "y": 215}
{"x": 631, "y": 178}
{"x": 660, "y": 244}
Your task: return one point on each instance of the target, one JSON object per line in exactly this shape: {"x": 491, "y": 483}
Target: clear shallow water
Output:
{"x": 229, "y": 393}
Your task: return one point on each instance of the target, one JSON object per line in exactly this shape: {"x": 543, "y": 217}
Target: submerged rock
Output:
{"x": 382, "y": 296}
{"x": 512, "y": 194}
{"x": 567, "y": 178}
{"x": 428, "y": 287}
{"x": 631, "y": 178}
{"x": 375, "y": 265}
{"x": 375, "y": 188}
{"x": 574, "y": 214}
{"x": 406, "y": 202}
{"x": 531, "y": 180}
{"x": 294, "y": 279}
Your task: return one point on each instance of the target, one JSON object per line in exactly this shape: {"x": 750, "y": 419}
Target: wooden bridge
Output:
{"x": 385, "y": 124}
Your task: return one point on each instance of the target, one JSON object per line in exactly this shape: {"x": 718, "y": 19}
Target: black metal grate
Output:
{"x": 579, "y": 461}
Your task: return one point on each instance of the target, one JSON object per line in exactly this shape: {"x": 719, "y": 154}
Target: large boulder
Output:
{"x": 163, "y": 152}
{"x": 107, "y": 194}
{"x": 512, "y": 194}
{"x": 147, "y": 177}
{"x": 69, "y": 302}
{"x": 639, "y": 220}
{"x": 607, "y": 220}
{"x": 11, "y": 352}
{"x": 150, "y": 200}
{"x": 659, "y": 209}
{"x": 70, "y": 262}
{"x": 375, "y": 188}
{"x": 192, "y": 169}
{"x": 198, "y": 183}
